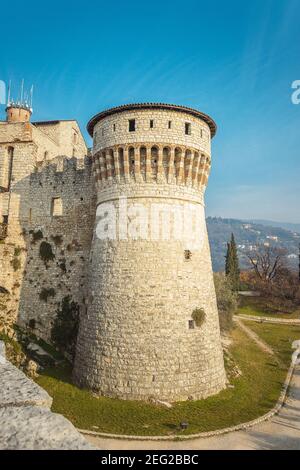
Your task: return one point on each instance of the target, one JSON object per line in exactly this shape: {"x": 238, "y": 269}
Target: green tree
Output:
{"x": 232, "y": 269}
{"x": 65, "y": 328}
{"x": 227, "y": 300}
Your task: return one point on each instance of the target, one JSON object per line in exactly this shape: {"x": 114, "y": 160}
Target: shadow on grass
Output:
{"x": 62, "y": 373}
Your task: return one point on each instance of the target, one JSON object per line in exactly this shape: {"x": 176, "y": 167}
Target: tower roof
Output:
{"x": 136, "y": 106}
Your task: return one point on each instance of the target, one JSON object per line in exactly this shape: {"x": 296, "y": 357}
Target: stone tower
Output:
{"x": 140, "y": 336}
{"x": 18, "y": 113}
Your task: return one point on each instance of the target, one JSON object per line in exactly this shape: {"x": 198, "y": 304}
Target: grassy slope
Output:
{"x": 256, "y": 306}
{"x": 279, "y": 337}
{"x": 253, "y": 395}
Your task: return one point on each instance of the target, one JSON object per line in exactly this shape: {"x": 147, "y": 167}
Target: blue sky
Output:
{"x": 235, "y": 60}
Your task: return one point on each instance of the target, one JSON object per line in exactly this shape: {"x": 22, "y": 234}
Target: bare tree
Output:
{"x": 267, "y": 262}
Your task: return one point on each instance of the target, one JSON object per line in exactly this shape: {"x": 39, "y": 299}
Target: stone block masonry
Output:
{"x": 26, "y": 420}
{"x": 137, "y": 339}
{"x": 41, "y": 164}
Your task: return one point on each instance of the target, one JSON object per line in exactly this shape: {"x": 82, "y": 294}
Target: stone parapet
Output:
{"x": 26, "y": 420}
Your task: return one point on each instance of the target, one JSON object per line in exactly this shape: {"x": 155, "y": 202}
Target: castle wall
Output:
{"x": 69, "y": 236}
{"x": 60, "y": 138}
{"x": 10, "y": 133}
{"x": 29, "y": 186}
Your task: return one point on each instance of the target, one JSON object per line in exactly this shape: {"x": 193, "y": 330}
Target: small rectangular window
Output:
{"x": 169, "y": 124}
{"x": 201, "y": 133}
{"x": 187, "y": 128}
{"x": 131, "y": 125}
{"x": 114, "y": 127}
{"x": 191, "y": 325}
{"x": 151, "y": 123}
{"x": 56, "y": 207}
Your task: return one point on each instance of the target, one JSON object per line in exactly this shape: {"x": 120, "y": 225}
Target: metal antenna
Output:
{"x": 22, "y": 91}
{"x": 31, "y": 96}
{"x": 8, "y": 94}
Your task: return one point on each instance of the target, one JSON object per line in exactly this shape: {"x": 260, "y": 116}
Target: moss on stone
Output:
{"x": 46, "y": 293}
{"x": 198, "y": 316}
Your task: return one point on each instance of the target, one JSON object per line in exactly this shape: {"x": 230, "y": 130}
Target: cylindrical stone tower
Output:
{"x": 151, "y": 328}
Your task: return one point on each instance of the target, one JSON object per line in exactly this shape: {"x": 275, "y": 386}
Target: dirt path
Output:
{"x": 260, "y": 343}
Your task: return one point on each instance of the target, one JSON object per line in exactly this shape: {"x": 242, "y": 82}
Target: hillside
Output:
{"x": 247, "y": 235}
{"x": 272, "y": 223}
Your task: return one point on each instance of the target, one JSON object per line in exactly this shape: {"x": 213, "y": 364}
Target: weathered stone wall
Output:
{"x": 40, "y": 172}
{"x": 138, "y": 339}
{"x": 137, "y": 335}
{"x": 68, "y": 235}
{"x": 65, "y": 139}
{"x": 26, "y": 420}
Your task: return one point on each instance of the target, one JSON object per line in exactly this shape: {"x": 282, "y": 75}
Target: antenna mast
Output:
{"x": 31, "y": 97}
{"x": 22, "y": 91}
{"x": 8, "y": 94}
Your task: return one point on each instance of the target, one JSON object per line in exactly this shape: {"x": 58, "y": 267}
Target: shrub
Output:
{"x": 16, "y": 263}
{"x": 65, "y": 328}
{"x": 45, "y": 293}
{"x": 36, "y": 236}
{"x": 58, "y": 239}
{"x": 17, "y": 251}
{"x": 4, "y": 291}
{"x": 227, "y": 300}
{"x": 198, "y": 316}
{"x": 31, "y": 323}
{"x": 46, "y": 252}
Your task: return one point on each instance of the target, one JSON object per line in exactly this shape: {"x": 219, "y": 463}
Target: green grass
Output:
{"x": 254, "y": 393}
{"x": 279, "y": 337}
{"x": 256, "y": 306}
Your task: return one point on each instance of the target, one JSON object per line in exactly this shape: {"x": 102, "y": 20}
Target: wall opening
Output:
{"x": 154, "y": 158}
{"x": 75, "y": 137}
{"x": 151, "y": 123}
{"x": 131, "y": 124}
{"x": 121, "y": 161}
{"x": 56, "y": 207}
{"x": 188, "y": 128}
{"x": 131, "y": 161}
